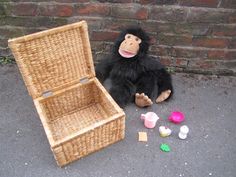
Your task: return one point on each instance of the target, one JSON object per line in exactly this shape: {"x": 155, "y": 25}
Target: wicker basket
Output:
{"x": 77, "y": 113}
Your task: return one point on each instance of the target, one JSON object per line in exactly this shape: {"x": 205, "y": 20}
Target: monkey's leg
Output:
{"x": 145, "y": 88}
{"x": 122, "y": 92}
{"x": 165, "y": 89}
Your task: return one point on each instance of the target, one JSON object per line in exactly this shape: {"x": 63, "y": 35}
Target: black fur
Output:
{"x": 139, "y": 74}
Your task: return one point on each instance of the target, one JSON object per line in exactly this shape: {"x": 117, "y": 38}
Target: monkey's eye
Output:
{"x": 128, "y": 36}
{"x": 138, "y": 40}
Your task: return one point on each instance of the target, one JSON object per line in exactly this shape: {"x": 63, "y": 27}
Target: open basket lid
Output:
{"x": 53, "y": 59}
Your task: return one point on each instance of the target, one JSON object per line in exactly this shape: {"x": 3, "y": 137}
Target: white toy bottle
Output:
{"x": 183, "y": 133}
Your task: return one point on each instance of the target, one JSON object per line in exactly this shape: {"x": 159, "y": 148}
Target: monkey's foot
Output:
{"x": 163, "y": 96}
{"x": 141, "y": 100}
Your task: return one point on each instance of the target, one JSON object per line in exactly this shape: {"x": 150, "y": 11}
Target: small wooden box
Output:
{"x": 77, "y": 113}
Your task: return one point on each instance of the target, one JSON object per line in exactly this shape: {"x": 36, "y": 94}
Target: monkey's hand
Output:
{"x": 142, "y": 100}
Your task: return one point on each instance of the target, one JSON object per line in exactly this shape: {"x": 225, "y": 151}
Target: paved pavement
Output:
{"x": 209, "y": 104}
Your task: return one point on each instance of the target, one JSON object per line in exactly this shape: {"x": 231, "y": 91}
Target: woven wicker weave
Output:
{"x": 78, "y": 115}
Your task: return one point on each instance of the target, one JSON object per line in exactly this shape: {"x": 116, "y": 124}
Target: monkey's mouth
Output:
{"x": 126, "y": 54}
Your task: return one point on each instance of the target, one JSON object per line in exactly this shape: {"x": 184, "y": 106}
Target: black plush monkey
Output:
{"x": 133, "y": 73}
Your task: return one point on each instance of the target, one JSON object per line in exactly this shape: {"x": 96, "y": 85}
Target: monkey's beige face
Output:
{"x": 130, "y": 46}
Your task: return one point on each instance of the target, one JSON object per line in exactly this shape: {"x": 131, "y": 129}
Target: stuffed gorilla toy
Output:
{"x": 134, "y": 75}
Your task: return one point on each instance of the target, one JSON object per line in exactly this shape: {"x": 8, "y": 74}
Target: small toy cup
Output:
{"x": 176, "y": 117}
{"x": 150, "y": 119}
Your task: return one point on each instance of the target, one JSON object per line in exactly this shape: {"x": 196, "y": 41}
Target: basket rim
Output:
{"x": 46, "y": 32}
{"x": 55, "y": 143}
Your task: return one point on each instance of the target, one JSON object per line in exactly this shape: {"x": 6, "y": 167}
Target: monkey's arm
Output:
{"x": 163, "y": 78}
{"x": 103, "y": 69}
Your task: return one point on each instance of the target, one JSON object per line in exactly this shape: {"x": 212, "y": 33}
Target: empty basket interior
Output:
{"x": 75, "y": 109}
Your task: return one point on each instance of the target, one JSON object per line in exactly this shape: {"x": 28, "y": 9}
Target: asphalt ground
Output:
{"x": 209, "y": 105}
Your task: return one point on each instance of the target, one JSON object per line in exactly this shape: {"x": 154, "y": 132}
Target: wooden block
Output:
{"x": 142, "y": 136}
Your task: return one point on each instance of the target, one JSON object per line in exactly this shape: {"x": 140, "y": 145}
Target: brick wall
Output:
{"x": 189, "y": 35}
